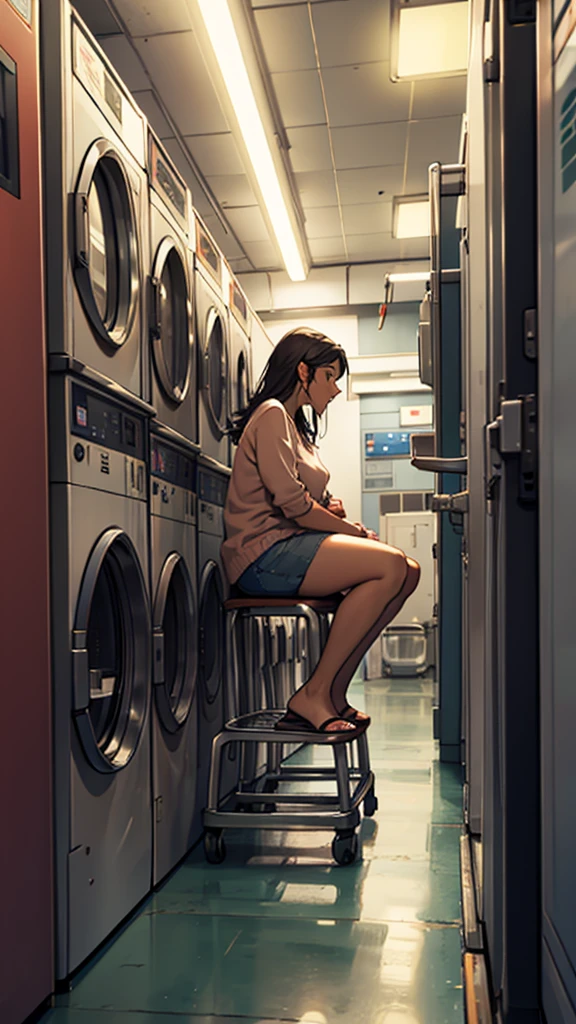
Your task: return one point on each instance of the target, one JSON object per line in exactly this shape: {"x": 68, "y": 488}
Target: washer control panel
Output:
{"x": 172, "y": 482}
{"x": 211, "y": 499}
{"x": 106, "y": 444}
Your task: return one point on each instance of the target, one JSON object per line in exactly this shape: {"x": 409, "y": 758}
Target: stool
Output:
{"x": 354, "y": 778}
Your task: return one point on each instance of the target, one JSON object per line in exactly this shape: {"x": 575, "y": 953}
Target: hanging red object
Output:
{"x": 382, "y": 312}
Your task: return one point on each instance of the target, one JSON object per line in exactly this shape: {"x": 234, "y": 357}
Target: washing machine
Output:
{"x": 96, "y": 206}
{"x": 217, "y": 699}
{"x": 101, "y": 646}
{"x": 170, "y": 306}
{"x": 241, "y": 381}
{"x": 213, "y": 348}
{"x": 177, "y": 824}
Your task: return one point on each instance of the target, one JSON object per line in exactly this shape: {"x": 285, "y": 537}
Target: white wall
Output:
{"x": 340, "y": 449}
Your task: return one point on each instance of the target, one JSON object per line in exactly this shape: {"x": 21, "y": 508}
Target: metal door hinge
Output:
{"x": 530, "y": 334}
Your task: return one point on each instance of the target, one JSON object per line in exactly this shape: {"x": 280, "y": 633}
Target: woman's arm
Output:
{"x": 318, "y": 518}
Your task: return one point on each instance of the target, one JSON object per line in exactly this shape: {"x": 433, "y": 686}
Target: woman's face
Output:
{"x": 324, "y": 386}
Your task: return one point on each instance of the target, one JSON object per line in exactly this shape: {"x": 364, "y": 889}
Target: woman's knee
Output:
{"x": 393, "y": 568}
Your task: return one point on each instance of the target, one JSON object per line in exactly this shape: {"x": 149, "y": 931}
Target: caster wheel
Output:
{"x": 345, "y": 848}
{"x": 370, "y": 804}
{"x": 214, "y": 847}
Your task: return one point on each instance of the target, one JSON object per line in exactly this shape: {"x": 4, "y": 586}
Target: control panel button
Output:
{"x": 79, "y": 452}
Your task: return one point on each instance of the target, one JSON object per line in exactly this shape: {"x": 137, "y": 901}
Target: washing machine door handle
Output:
{"x": 82, "y": 229}
{"x": 158, "y": 655}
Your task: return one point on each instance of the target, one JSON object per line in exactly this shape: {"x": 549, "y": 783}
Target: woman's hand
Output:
{"x": 369, "y": 534}
{"x": 336, "y": 507}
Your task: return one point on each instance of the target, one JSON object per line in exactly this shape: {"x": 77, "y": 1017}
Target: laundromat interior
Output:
{"x": 182, "y": 183}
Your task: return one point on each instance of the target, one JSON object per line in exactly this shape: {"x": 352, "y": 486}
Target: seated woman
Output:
{"x": 287, "y": 536}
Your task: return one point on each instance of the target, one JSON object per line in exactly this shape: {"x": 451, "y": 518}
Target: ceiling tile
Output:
{"x": 215, "y": 154}
{"x": 322, "y": 249}
{"x": 240, "y": 266}
{"x": 368, "y": 218}
{"x": 286, "y": 38}
{"x": 147, "y": 19}
{"x": 368, "y": 247}
{"x": 316, "y": 188}
{"x": 439, "y": 97}
{"x": 369, "y": 146}
{"x": 364, "y": 94}
{"x": 97, "y": 17}
{"x": 299, "y": 97}
{"x": 263, "y": 256}
{"x": 363, "y": 184}
{"x": 248, "y": 224}
{"x": 436, "y": 139}
{"x": 323, "y": 222}
{"x": 281, "y": 3}
{"x": 411, "y": 247}
{"x": 122, "y": 56}
{"x": 310, "y": 149}
{"x": 177, "y": 69}
{"x": 352, "y": 31}
{"x": 232, "y": 189}
{"x": 148, "y": 104}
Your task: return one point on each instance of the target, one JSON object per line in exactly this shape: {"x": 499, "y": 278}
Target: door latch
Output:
{"x": 518, "y": 435}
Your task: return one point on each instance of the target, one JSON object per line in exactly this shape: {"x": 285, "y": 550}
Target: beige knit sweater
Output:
{"x": 274, "y": 479}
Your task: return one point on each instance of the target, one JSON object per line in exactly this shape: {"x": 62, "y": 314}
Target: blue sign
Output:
{"x": 387, "y": 444}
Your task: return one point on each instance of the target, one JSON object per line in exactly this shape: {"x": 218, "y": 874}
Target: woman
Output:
{"x": 286, "y": 535}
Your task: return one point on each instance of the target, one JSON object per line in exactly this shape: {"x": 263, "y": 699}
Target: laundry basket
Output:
{"x": 404, "y": 650}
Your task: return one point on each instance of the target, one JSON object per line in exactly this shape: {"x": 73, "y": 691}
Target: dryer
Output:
{"x": 241, "y": 381}
{"x": 170, "y": 308}
{"x": 96, "y": 206}
{"x": 177, "y": 823}
{"x": 101, "y": 642}
{"x": 216, "y": 697}
{"x": 213, "y": 348}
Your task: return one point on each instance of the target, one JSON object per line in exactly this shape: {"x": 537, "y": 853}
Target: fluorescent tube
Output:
{"x": 220, "y": 28}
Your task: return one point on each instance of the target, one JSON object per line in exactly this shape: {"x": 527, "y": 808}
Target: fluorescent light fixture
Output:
{"x": 429, "y": 39}
{"x": 423, "y": 275}
{"x": 220, "y": 28}
{"x": 411, "y": 217}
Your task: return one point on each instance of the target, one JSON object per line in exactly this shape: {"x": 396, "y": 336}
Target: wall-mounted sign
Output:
{"x": 419, "y": 415}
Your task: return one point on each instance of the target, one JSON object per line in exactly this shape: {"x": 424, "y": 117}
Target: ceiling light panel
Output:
{"x": 221, "y": 30}
{"x": 429, "y": 38}
{"x": 411, "y": 218}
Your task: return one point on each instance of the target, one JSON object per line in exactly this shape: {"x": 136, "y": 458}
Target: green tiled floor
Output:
{"x": 280, "y": 933}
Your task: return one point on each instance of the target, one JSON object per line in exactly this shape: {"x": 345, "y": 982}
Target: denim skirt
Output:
{"x": 279, "y": 571}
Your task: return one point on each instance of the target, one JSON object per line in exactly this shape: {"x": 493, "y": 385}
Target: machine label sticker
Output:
{"x": 113, "y": 98}
{"x": 24, "y": 8}
{"x": 87, "y": 65}
{"x": 81, "y": 416}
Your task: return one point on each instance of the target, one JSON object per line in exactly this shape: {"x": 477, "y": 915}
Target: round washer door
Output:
{"x": 212, "y": 639}
{"x": 215, "y": 371}
{"x": 111, "y": 654}
{"x": 171, "y": 321}
{"x": 106, "y": 266}
{"x": 175, "y": 644}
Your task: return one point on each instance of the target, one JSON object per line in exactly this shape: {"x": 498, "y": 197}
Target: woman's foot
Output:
{"x": 353, "y": 715}
{"x": 313, "y": 705}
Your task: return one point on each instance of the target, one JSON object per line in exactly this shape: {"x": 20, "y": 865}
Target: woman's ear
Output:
{"x": 303, "y": 373}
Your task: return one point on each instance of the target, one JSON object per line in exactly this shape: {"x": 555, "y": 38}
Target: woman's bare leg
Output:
{"x": 376, "y": 574}
{"x": 344, "y": 675}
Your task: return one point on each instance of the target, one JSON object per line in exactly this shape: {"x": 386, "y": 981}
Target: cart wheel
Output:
{"x": 345, "y": 848}
{"x": 214, "y": 847}
{"x": 370, "y": 804}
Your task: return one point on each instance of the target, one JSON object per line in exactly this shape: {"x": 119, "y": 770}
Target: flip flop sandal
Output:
{"x": 291, "y": 720}
{"x": 350, "y": 714}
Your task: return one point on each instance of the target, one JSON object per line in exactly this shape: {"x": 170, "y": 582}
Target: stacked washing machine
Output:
{"x": 96, "y": 228}
{"x": 173, "y": 536}
{"x": 217, "y": 699}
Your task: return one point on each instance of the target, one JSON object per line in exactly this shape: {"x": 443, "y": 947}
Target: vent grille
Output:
{"x": 405, "y": 501}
